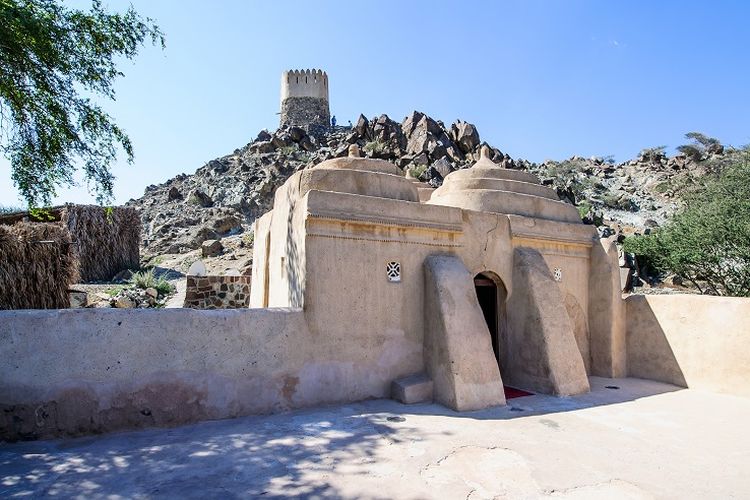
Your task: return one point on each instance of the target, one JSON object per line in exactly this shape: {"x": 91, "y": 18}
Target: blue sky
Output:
{"x": 540, "y": 79}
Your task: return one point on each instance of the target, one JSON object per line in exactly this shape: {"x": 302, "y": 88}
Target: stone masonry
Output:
{"x": 304, "y": 100}
{"x": 217, "y": 292}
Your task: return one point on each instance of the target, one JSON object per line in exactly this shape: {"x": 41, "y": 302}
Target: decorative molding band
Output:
{"x": 557, "y": 239}
{"x": 378, "y": 221}
{"x": 547, "y": 247}
{"x": 385, "y": 240}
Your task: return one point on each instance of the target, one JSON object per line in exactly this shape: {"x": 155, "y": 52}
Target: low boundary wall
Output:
{"x": 217, "y": 292}
{"x": 71, "y": 372}
{"x": 692, "y": 341}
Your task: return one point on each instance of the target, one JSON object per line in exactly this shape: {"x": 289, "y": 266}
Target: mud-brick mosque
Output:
{"x": 487, "y": 284}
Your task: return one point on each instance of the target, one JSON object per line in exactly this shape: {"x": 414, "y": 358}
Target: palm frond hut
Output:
{"x": 40, "y": 259}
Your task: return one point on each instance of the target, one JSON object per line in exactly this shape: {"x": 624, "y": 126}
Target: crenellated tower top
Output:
{"x": 304, "y": 83}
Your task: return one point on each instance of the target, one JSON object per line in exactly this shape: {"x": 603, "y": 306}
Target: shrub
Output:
{"x": 583, "y": 208}
{"x": 708, "y": 241}
{"x": 375, "y": 148}
{"x": 417, "y": 171}
{"x": 654, "y": 154}
{"x": 147, "y": 279}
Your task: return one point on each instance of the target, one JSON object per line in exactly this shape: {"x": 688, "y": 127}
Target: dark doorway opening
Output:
{"x": 487, "y": 296}
{"x": 491, "y": 295}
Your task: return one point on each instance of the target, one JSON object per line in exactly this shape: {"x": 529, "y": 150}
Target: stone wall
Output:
{"x": 217, "y": 292}
{"x": 309, "y": 113}
{"x": 692, "y": 341}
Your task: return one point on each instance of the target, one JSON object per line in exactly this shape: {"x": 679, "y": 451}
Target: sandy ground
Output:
{"x": 643, "y": 440}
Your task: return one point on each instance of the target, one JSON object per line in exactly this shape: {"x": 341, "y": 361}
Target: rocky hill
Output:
{"x": 224, "y": 196}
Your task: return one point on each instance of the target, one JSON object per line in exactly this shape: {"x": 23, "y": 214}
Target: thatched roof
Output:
{"x": 105, "y": 240}
{"x": 38, "y": 261}
{"x": 108, "y": 239}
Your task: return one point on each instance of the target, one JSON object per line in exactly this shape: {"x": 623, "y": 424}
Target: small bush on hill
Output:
{"x": 375, "y": 148}
{"x": 654, "y": 154}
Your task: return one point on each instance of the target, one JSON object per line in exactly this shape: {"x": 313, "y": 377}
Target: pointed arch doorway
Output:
{"x": 492, "y": 295}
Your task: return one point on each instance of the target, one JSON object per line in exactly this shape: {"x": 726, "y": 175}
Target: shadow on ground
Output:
{"x": 272, "y": 457}
{"x": 278, "y": 456}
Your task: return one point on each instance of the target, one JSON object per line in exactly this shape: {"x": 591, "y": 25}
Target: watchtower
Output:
{"x": 304, "y": 100}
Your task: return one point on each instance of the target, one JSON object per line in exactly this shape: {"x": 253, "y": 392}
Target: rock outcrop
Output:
{"x": 224, "y": 196}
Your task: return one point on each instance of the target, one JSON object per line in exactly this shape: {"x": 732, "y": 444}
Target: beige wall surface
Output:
{"x": 692, "y": 341}
{"x": 607, "y": 344}
{"x": 457, "y": 349}
{"x": 261, "y": 254}
{"x": 539, "y": 351}
{"x": 67, "y": 372}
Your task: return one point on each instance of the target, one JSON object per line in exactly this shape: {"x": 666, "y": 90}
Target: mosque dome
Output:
{"x": 488, "y": 187}
{"x": 357, "y": 175}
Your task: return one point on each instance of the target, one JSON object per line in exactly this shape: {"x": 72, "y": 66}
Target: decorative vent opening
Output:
{"x": 393, "y": 271}
{"x": 558, "y": 274}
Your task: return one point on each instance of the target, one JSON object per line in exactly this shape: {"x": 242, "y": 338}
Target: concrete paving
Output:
{"x": 641, "y": 440}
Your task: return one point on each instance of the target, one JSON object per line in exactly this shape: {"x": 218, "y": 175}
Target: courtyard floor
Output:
{"x": 640, "y": 440}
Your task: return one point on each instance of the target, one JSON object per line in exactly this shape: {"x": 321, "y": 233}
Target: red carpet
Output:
{"x": 512, "y": 392}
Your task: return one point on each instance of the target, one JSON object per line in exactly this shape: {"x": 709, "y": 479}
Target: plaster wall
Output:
{"x": 692, "y": 341}
{"x": 261, "y": 257}
{"x": 68, "y": 372}
{"x": 606, "y": 312}
{"x": 539, "y": 351}
{"x": 304, "y": 83}
{"x": 286, "y": 254}
{"x": 457, "y": 348}
{"x": 570, "y": 254}
{"x": 354, "y": 312}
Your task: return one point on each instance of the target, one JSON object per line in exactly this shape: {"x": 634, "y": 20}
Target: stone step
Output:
{"x": 412, "y": 389}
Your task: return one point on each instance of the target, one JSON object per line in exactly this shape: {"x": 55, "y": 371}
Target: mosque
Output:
{"x": 487, "y": 285}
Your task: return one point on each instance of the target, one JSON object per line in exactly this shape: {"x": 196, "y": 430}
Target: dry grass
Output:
{"x": 38, "y": 261}
{"x": 107, "y": 239}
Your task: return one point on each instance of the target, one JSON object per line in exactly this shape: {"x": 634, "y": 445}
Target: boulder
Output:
{"x": 201, "y": 198}
{"x": 197, "y": 268}
{"x": 263, "y": 135}
{"x": 362, "y": 127}
{"x": 265, "y": 147}
{"x": 281, "y": 141}
{"x": 417, "y": 142}
{"x": 211, "y": 248}
{"x": 454, "y": 154}
{"x": 442, "y": 167}
{"x": 407, "y": 126}
{"x": 307, "y": 144}
{"x": 77, "y": 299}
{"x": 124, "y": 302}
{"x": 218, "y": 166}
{"x": 227, "y": 223}
{"x": 296, "y": 134}
{"x": 465, "y": 135}
{"x": 421, "y": 159}
{"x": 174, "y": 194}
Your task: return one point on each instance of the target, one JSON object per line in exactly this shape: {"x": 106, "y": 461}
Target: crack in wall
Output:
{"x": 487, "y": 236}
